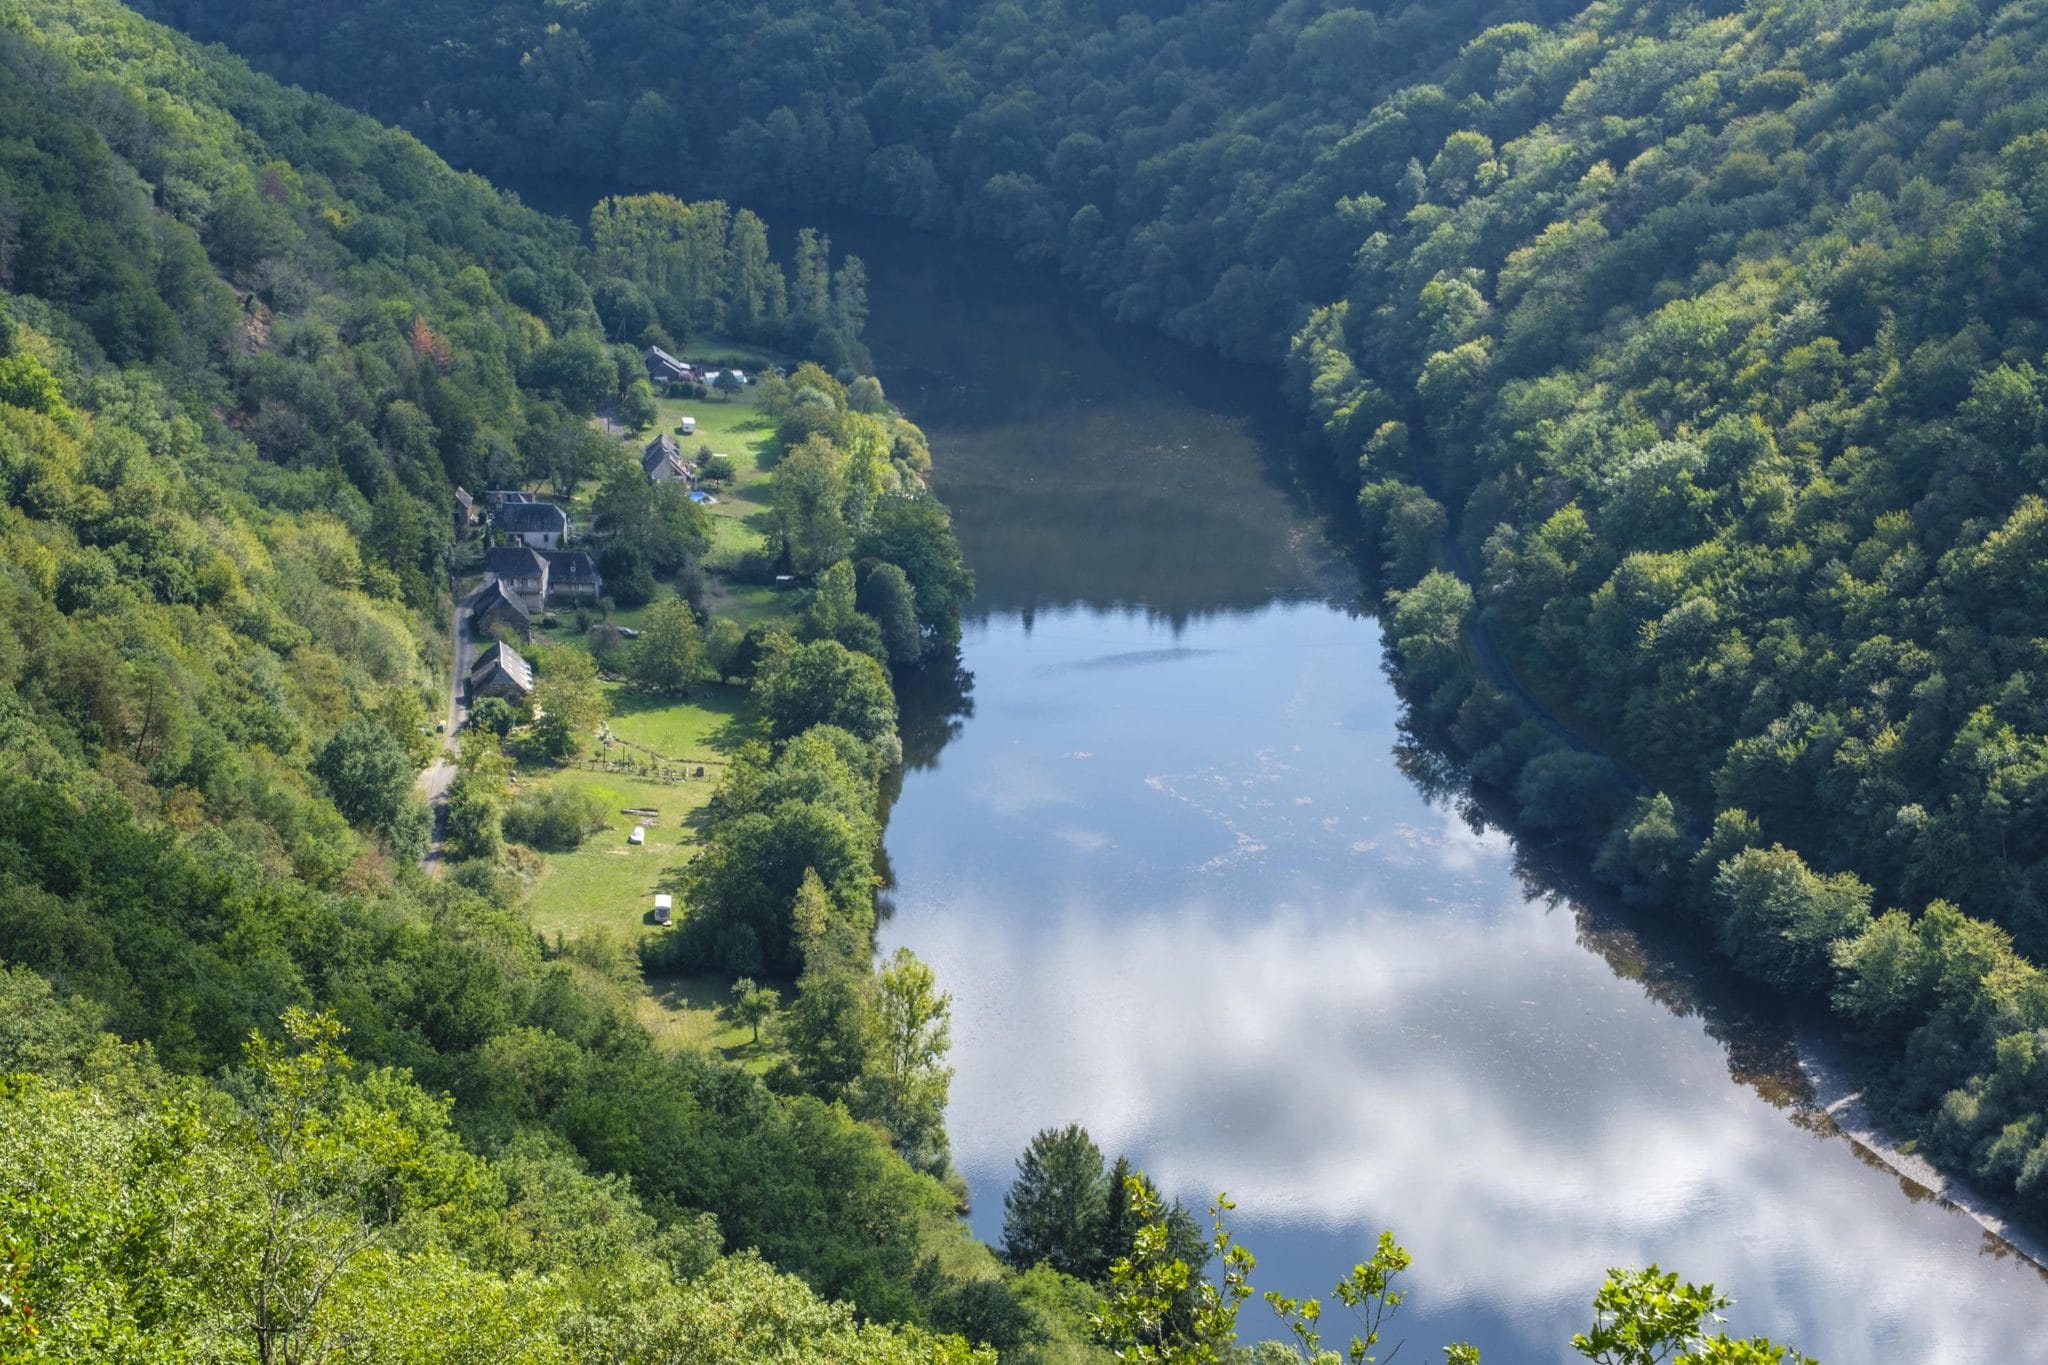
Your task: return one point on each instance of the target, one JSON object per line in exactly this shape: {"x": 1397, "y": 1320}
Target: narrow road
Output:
{"x": 1486, "y": 657}
{"x": 433, "y": 784}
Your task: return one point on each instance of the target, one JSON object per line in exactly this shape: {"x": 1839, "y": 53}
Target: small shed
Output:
{"x": 689, "y": 425}
{"x": 638, "y": 836}
{"x": 664, "y": 907}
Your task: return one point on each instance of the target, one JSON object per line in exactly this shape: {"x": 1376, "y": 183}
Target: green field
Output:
{"x": 608, "y": 884}
{"x": 736, "y": 427}
{"x": 749, "y": 357}
{"x": 687, "y": 1013}
{"x": 706, "y": 728}
{"x": 753, "y": 604}
{"x": 564, "y": 632}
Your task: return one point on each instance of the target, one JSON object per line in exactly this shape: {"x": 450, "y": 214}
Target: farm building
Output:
{"x": 500, "y": 671}
{"x": 539, "y": 525}
{"x": 500, "y": 605}
{"x": 663, "y": 368}
{"x": 522, "y": 570}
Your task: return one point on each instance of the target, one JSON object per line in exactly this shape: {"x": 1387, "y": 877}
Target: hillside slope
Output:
{"x": 1703, "y": 345}
{"x": 265, "y": 1091}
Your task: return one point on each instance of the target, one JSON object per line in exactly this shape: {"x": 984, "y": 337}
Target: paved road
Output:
{"x": 433, "y": 784}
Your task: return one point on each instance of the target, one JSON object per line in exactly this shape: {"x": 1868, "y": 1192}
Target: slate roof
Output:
{"x": 663, "y": 449}
{"x": 661, "y": 362}
{"x": 501, "y": 660}
{"x": 531, "y": 517}
{"x": 570, "y": 568}
{"x": 514, "y": 561}
{"x": 495, "y": 595}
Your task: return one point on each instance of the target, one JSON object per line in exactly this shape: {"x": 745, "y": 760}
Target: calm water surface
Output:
{"x": 1167, "y": 854}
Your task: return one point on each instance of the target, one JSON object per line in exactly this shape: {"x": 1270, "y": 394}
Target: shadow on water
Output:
{"x": 1119, "y": 498}
{"x": 1672, "y": 961}
{"x": 1096, "y": 464}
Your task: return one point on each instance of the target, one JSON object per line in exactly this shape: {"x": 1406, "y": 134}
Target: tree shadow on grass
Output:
{"x": 739, "y": 729}
{"x": 693, "y": 992}
{"x": 712, "y": 993}
{"x": 735, "y": 726}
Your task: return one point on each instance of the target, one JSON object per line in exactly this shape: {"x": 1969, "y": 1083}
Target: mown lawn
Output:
{"x": 754, "y": 604}
{"x": 714, "y": 721}
{"x": 564, "y": 632}
{"x": 740, "y": 519}
{"x": 608, "y": 884}
{"x": 749, "y": 357}
{"x": 686, "y": 1013}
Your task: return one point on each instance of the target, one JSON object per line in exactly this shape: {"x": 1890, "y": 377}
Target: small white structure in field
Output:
{"x": 689, "y": 425}
{"x": 664, "y": 908}
{"x": 638, "y": 836}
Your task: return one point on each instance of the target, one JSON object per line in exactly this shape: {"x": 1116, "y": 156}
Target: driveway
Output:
{"x": 432, "y": 784}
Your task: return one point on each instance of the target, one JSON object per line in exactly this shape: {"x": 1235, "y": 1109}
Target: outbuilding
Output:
{"x": 663, "y": 368}
{"x": 500, "y": 605}
{"x": 500, "y": 672}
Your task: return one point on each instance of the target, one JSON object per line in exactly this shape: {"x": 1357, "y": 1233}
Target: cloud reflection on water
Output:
{"x": 1347, "y": 1067}
{"x": 1365, "y": 1022}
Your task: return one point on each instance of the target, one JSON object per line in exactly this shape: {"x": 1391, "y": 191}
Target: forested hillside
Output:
{"x": 1689, "y": 363}
{"x": 267, "y": 1091}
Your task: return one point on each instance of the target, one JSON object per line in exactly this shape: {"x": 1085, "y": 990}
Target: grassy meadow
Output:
{"x": 607, "y": 886}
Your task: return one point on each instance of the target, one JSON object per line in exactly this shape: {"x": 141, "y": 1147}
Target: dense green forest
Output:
{"x": 1688, "y": 362}
{"x": 268, "y": 1092}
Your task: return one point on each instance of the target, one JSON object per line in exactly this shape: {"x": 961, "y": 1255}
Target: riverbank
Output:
{"x": 1837, "y": 1097}
{"x": 1192, "y": 884}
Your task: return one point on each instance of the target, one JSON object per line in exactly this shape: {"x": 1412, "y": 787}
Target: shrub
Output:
{"x": 555, "y": 820}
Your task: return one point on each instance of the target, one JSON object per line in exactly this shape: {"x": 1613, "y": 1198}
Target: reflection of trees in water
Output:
{"x": 933, "y": 705}
{"x": 1092, "y": 466}
{"x": 1671, "y": 960}
{"x": 1176, "y": 619}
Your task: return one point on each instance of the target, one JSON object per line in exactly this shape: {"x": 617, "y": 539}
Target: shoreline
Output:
{"x": 1837, "y": 1098}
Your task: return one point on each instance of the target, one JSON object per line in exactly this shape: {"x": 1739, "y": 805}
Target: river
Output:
{"x": 1191, "y": 885}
